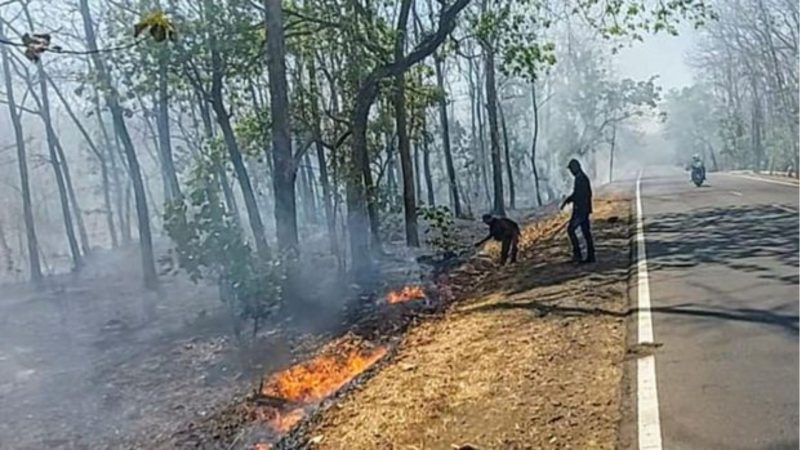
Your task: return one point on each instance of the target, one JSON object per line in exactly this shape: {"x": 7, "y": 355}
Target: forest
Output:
{"x": 228, "y": 139}
{"x": 284, "y": 158}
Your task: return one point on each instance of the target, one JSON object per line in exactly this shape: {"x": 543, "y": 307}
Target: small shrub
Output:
{"x": 208, "y": 244}
{"x": 441, "y": 232}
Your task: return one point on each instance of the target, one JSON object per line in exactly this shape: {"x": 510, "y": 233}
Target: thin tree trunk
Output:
{"x": 445, "y": 126}
{"x": 611, "y": 158}
{"x": 111, "y": 149}
{"x": 127, "y": 210}
{"x": 253, "y": 214}
{"x": 306, "y": 193}
{"x": 56, "y": 162}
{"x": 512, "y": 196}
{"x": 533, "y": 144}
{"x": 145, "y": 239}
{"x": 478, "y": 113}
{"x": 109, "y": 212}
{"x": 426, "y": 165}
{"x": 494, "y": 133}
{"x": 417, "y": 173}
{"x": 284, "y": 162}
{"x": 73, "y": 198}
{"x": 391, "y": 169}
{"x": 372, "y": 205}
{"x": 232, "y": 145}
{"x": 312, "y": 192}
{"x": 173, "y": 190}
{"x": 404, "y": 144}
{"x": 230, "y": 198}
{"x": 327, "y": 193}
{"x": 8, "y": 255}
{"x": 34, "y": 264}
{"x": 43, "y": 103}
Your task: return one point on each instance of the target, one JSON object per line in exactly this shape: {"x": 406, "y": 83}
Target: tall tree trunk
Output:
{"x": 445, "y": 126}
{"x": 312, "y": 191}
{"x": 372, "y": 204}
{"x": 127, "y": 210}
{"x": 34, "y": 265}
{"x": 8, "y": 256}
{"x": 367, "y": 91}
{"x": 611, "y": 156}
{"x": 417, "y": 173}
{"x": 63, "y": 166}
{"x": 232, "y": 145}
{"x": 391, "y": 169}
{"x": 109, "y": 212}
{"x": 143, "y": 216}
{"x": 426, "y": 164}
{"x": 477, "y": 103}
{"x": 512, "y": 196}
{"x": 208, "y": 127}
{"x": 56, "y": 162}
{"x": 712, "y": 153}
{"x": 306, "y": 192}
{"x": 112, "y": 151}
{"x": 173, "y": 190}
{"x": 327, "y": 193}
{"x": 253, "y": 214}
{"x": 284, "y": 163}
{"x": 357, "y": 220}
{"x": 533, "y": 144}
{"x": 494, "y": 132}
{"x": 73, "y": 199}
{"x": 404, "y": 144}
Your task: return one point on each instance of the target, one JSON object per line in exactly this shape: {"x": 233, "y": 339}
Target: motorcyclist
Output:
{"x": 697, "y": 164}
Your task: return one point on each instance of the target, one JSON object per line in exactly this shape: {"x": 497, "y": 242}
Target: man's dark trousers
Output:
{"x": 581, "y": 221}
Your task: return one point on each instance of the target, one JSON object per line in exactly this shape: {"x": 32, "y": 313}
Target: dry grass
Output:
{"x": 531, "y": 357}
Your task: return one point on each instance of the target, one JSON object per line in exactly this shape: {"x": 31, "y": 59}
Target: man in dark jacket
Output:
{"x": 506, "y": 231}
{"x": 581, "y": 200}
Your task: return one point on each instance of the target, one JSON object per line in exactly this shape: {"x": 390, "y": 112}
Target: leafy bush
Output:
{"x": 441, "y": 233}
{"x": 209, "y": 244}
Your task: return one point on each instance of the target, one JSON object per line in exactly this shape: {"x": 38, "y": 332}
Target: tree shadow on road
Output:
{"x": 544, "y": 308}
{"x": 732, "y": 237}
{"x": 729, "y": 236}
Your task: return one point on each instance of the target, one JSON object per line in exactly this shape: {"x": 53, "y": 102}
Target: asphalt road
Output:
{"x": 723, "y": 268}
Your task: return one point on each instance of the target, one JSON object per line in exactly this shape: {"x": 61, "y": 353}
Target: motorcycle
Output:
{"x": 698, "y": 175}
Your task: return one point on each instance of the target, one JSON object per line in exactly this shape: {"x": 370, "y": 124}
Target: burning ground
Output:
{"x": 529, "y": 357}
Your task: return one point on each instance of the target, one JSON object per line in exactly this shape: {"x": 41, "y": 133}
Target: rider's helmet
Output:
{"x": 695, "y": 157}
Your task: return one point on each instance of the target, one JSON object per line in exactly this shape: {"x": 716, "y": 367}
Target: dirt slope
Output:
{"x": 530, "y": 358}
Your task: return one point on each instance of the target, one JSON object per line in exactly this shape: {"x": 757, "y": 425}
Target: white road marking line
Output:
{"x": 649, "y": 423}
{"x": 736, "y": 193}
{"x": 785, "y": 208}
{"x": 767, "y": 180}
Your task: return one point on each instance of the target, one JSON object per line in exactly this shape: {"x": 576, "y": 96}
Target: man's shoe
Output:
{"x": 589, "y": 261}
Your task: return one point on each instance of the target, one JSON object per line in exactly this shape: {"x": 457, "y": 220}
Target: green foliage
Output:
{"x": 514, "y": 31}
{"x": 253, "y": 132}
{"x": 441, "y": 232}
{"x": 209, "y": 244}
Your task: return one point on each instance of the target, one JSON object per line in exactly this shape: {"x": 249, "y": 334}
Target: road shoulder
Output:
{"x": 532, "y": 358}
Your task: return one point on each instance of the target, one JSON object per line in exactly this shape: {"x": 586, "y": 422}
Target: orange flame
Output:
{"x": 283, "y": 423}
{"x": 317, "y": 379}
{"x": 406, "y": 294}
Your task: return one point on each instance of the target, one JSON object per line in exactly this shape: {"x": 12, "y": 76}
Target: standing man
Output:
{"x": 581, "y": 200}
